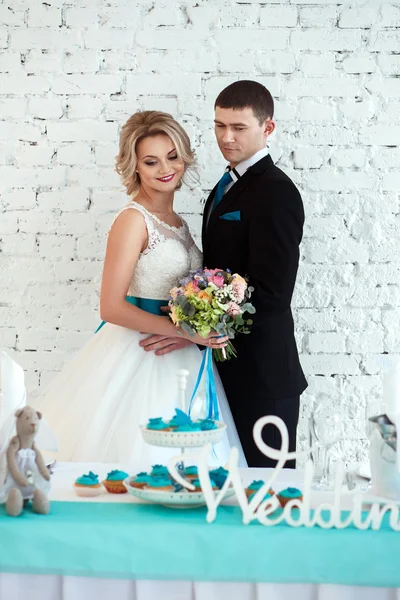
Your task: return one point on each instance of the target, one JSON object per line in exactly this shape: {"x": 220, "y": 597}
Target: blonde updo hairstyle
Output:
{"x": 145, "y": 124}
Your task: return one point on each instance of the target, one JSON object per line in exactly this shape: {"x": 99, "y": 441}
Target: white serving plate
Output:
{"x": 183, "y": 499}
{"x": 183, "y": 439}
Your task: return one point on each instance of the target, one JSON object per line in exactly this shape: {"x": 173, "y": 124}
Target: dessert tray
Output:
{"x": 179, "y": 497}
{"x": 182, "y": 499}
{"x": 183, "y": 439}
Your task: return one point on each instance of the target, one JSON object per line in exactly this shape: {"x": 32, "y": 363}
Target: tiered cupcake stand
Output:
{"x": 181, "y": 440}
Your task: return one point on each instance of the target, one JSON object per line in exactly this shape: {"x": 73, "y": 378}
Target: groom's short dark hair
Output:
{"x": 247, "y": 94}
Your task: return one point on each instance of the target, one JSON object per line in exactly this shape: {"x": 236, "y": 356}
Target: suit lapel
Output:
{"x": 228, "y": 198}
{"x": 206, "y": 214}
{"x": 231, "y": 195}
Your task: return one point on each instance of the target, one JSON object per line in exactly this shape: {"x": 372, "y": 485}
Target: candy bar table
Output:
{"x": 113, "y": 547}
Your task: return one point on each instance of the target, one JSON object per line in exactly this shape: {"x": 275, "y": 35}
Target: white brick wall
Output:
{"x": 72, "y": 72}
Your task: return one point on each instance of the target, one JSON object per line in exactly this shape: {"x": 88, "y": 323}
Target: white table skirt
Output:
{"x": 55, "y": 587}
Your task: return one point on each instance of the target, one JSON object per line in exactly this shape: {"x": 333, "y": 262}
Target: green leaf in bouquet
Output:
{"x": 187, "y": 308}
{"x": 187, "y": 329}
{"x": 248, "y": 292}
{"x": 247, "y": 307}
{"x": 249, "y": 322}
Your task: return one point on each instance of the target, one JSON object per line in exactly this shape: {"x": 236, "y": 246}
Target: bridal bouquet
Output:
{"x": 212, "y": 300}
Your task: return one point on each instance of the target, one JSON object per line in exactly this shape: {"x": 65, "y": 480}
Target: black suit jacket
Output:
{"x": 264, "y": 245}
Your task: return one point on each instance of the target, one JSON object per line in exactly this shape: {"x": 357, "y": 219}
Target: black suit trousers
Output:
{"x": 246, "y": 413}
{"x": 288, "y": 411}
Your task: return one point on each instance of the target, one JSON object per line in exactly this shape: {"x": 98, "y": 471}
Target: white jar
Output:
{"x": 384, "y": 474}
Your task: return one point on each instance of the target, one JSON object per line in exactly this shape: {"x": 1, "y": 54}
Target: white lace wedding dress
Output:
{"x": 112, "y": 386}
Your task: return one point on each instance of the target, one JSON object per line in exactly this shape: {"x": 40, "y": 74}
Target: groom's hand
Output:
{"x": 160, "y": 344}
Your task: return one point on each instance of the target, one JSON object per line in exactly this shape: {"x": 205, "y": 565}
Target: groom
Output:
{"x": 253, "y": 225}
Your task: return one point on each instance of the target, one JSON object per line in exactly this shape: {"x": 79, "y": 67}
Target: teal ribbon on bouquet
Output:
{"x": 211, "y": 390}
{"x": 147, "y": 304}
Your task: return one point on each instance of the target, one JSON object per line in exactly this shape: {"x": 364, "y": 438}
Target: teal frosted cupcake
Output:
{"x": 179, "y": 419}
{"x": 255, "y": 485}
{"x": 289, "y": 494}
{"x": 197, "y": 484}
{"x": 219, "y": 476}
{"x": 207, "y": 424}
{"x": 161, "y": 483}
{"x": 173, "y": 423}
{"x": 141, "y": 479}
{"x": 265, "y": 497}
{"x": 188, "y": 427}
{"x": 159, "y": 471}
{"x": 114, "y": 483}
{"x": 157, "y": 424}
{"x": 191, "y": 472}
{"x": 88, "y": 485}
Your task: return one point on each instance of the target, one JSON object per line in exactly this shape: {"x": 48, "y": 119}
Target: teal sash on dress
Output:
{"x": 147, "y": 304}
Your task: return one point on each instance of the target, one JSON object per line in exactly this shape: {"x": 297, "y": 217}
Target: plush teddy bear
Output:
{"x": 27, "y": 475}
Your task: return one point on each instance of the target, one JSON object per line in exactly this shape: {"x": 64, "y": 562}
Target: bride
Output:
{"x": 99, "y": 400}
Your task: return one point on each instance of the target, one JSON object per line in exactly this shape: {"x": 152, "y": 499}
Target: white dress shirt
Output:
{"x": 242, "y": 167}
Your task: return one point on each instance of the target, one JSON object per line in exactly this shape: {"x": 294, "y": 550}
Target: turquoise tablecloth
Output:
{"x": 148, "y": 542}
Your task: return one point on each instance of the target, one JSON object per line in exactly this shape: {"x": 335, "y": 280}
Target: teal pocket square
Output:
{"x": 232, "y": 216}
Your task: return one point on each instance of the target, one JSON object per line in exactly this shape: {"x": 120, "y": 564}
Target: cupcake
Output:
{"x": 188, "y": 427}
{"x": 255, "y": 485}
{"x": 173, "y": 423}
{"x": 177, "y": 487}
{"x": 254, "y": 493}
{"x": 140, "y": 481}
{"x": 161, "y": 484}
{"x": 115, "y": 482}
{"x": 179, "y": 418}
{"x": 207, "y": 424}
{"x": 289, "y": 494}
{"x": 191, "y": 472}
{"x": 157, "y": 424}
{"x": 88, "y": 485}
{"x": 159, "y": 471}
{"x": 181, "y": 421}
{"x": 219, "y": 476}
{"x": 197, "y": 485}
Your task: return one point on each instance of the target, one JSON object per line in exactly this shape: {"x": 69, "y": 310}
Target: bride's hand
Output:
{"x": 213, "y": 340}
{"x": 161, "y": 344}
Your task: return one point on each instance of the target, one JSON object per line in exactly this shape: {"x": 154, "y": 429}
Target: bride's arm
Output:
{"x": 161, "y": 344}
{"x": 126, "y": 240}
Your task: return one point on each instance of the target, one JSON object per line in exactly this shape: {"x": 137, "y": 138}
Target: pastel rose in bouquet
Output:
{"x": 212, "y": 300}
